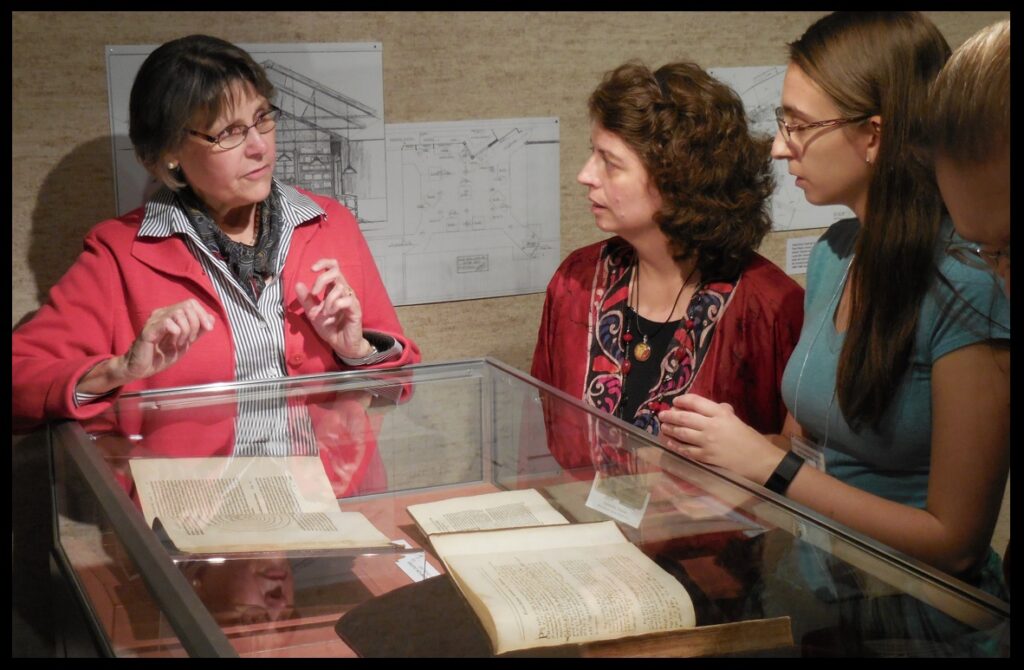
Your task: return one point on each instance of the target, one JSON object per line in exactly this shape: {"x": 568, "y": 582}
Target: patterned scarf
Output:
{"x": 679, "y": 365}
{"x": 252, "y": 265}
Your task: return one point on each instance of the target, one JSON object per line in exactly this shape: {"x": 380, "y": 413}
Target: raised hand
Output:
{"x": 164, "y": 339}
{"x": 337, "y": 316}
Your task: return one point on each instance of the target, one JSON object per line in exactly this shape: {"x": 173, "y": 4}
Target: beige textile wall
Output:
{"x": 438, "y": 66}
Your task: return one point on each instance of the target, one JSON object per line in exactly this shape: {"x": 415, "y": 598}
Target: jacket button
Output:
{"x": 298, "y": 359}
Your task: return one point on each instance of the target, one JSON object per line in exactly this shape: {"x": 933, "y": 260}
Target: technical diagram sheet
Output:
{"x": 473, "y": 209}
{"x": 761, "y": 91}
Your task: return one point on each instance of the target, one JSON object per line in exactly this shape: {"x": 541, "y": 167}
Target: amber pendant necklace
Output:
{"x": 642, "y": 350}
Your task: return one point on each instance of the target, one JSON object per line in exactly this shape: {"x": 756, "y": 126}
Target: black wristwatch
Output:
{"x": 784, "y": 473}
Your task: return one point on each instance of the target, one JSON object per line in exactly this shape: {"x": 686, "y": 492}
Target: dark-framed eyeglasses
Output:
{"x": 972, "y": 255}
{"x": 229, "y": 138}
{"x": 788, "y": 130}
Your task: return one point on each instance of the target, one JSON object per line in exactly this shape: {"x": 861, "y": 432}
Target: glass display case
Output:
{"x": 767, "y": 577}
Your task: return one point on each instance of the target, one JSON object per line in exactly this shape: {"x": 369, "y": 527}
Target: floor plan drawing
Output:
{"x": 473, "y": 209}
{"x": 760, "y": 88}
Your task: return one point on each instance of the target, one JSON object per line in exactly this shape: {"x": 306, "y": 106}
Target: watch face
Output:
{"x": 784, "y": 473}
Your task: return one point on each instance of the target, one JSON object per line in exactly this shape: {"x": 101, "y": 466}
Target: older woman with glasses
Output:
{"x": 899, "y": 385}
{"x": 225, "y": 274}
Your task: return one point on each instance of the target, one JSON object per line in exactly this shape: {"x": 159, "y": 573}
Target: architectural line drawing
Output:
{"x": 473, "y": 209}
{"x": 450, "y": 210}
{"x": 314, "y": 147}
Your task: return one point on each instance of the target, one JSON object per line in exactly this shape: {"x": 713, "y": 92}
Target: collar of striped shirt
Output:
{"x": 164, "y": 217}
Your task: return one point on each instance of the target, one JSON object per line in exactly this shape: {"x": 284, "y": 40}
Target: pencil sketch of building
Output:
{"x": 315, "y": 148}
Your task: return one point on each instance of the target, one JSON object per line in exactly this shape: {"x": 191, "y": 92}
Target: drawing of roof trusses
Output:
{"x": 314, "y": 137}
{"x": 473, "y": 209}
{"x": 760, "y": 88}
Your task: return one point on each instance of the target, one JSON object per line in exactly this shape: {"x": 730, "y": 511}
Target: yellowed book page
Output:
{"x": 505, "y": 509}
{"x": 213, "y": 505}
{"x": 541, "y": 587}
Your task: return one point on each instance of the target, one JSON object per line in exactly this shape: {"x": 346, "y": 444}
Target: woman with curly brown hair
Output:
{"x": 678, "y": 300}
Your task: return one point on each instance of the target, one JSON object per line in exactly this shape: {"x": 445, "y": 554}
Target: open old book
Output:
{"x": 489, "y": 511}
{"x": 249, "y": 504}
{"x": 546, "y": 586}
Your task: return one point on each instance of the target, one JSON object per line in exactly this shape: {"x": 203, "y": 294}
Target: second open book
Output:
{"x": 249, "y": 504}
{"x": 539, "y": 581}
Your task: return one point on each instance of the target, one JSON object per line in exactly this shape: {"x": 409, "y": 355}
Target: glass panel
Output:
{"x": 742, "y": 552}
{"x": 109, "y": 578}
{"x": 389, "y": 439}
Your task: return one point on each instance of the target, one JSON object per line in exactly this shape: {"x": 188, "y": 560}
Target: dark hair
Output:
{"x": 184, "y": 81}
{"x": 690, "y": 131}
{"x": 882, "y": 63}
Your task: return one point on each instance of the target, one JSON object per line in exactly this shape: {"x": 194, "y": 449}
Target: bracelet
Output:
{"x": 363, "y": 360}
{"x": 383, "y": 348}
{"x": 784, "y": 473}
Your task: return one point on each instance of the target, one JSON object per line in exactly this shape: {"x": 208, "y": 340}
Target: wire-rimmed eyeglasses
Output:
{"x": 788, "y": 130}
{"x": 231, "y": 137}
{"x": 972, "y": 255}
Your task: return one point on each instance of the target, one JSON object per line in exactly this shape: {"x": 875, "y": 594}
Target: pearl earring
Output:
{"x": 867, "y": 159}
{"x": 172, "y": 166}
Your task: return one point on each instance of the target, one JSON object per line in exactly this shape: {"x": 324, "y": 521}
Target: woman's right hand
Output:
{"x": 165, "y": 338}
{"x": 711, "y": 432}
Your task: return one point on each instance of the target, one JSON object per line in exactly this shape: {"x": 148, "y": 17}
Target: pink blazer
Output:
{"x": 99, "y": 306}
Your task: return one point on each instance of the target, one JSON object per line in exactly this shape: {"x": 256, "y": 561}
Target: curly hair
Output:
{"x": 690, "y": 131}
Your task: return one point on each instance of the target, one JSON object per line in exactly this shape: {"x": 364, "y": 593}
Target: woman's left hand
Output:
{"x": 338, "y": 316}
{"x": 711, "y": 432}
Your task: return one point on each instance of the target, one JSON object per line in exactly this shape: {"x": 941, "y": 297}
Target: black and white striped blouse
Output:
{"x": 266, "y": 424}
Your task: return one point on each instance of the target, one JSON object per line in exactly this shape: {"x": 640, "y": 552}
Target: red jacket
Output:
{"x": 743, "y": 366}
{"x": 100, "y": 305}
